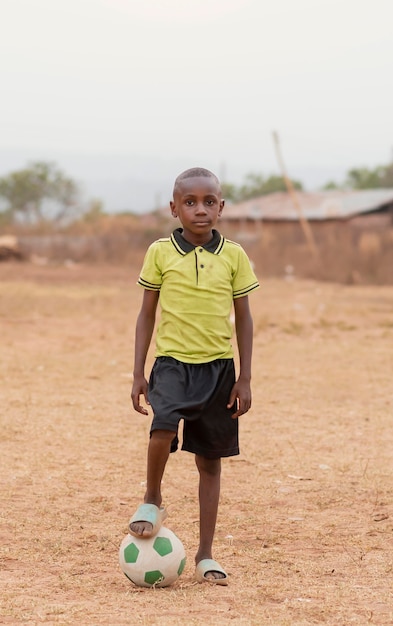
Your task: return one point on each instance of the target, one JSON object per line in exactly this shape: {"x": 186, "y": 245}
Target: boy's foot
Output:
{"x": 208, "y": 570}
{"x": 147, "y": 520}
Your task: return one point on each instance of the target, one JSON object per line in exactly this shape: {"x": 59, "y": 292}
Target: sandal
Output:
{"x": 210, "y": 565}
{"x": 148, "y": 513}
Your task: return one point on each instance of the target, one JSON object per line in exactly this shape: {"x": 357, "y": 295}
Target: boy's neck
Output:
{"x": 197, "y": 240}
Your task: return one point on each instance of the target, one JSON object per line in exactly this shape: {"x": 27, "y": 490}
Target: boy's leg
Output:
{"x": 209, "y": 495}
{"x": 157, "y": 456}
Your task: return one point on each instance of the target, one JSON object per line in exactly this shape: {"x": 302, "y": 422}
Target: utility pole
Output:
{"x": 291, "y": 190}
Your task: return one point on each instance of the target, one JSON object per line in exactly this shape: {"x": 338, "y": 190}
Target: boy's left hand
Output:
{"x": 241, "y": 391}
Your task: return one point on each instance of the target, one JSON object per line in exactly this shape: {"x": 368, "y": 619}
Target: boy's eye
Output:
{"x": 209, "y": 202}
{"x": 189, "y": 202}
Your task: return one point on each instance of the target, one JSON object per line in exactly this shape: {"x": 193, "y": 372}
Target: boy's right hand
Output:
{"x": 139, "y": 388}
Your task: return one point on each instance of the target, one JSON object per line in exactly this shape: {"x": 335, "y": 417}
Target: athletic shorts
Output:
{"x": 198, "y": 394}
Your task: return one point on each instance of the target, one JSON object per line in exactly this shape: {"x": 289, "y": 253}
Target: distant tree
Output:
{"x": 5, "y": 217}
{"x": 331, "y": 185}
{"x": 387, "y": 176}
{"x": 365, "y": 178}
{"x": 94, "y": 210}
{"x": 256, "y": 185}
{"x": 230, "y": 192}
{"x": 38, "y": 192}
{"x": 277, "y": 183}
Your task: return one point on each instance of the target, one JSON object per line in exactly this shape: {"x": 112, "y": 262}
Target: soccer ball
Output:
{"x": 152, "y": 562}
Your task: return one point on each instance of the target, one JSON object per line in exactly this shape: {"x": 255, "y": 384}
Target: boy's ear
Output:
{"x": 222, "y": 204}
{"x": 173, "y": 208}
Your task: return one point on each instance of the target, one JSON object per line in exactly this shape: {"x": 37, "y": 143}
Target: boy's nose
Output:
{"x": 200, "y": 208}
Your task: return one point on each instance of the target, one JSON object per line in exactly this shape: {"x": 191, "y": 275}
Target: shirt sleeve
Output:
{"x": 151, "y": 273}
{"x": 244, "y": 279}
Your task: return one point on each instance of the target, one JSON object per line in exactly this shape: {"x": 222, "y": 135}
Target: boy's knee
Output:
{"x": 163, "y": 435}
{"x": 209, "y": 466}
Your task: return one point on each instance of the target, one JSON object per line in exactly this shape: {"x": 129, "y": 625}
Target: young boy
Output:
{"x": 197, "y": 275}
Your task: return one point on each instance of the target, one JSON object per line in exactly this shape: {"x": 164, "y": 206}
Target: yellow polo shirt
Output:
{"x": 197, "y": 286}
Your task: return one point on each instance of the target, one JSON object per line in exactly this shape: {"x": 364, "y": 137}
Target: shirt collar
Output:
{"x": 183, "y": 246}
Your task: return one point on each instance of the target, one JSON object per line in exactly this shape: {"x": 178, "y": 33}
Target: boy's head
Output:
{"x": 195, "y": 172}
{"x": 197, "y": 203}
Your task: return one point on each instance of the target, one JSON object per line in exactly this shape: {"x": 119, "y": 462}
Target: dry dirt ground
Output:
{"x": 305, "y": 525}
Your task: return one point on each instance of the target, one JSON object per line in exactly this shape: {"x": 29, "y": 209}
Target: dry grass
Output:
{"x": 307, "y": 504}
{"x": 349, "y": 252}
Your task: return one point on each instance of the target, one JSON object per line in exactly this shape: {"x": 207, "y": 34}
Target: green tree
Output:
{"x": 387, "y": 176}
{"x": 363, "y": 178}
{"x": 38, "y": 192}
{"x": 366, "y": 178}
{"x": 257, "y": 185}
{"x": 330, "y": 186}
{"x": 94, "y": 211}
{"x": 230, "y": 192}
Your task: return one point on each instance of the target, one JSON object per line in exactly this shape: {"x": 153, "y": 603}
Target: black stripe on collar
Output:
{"x": 183, "y": 246}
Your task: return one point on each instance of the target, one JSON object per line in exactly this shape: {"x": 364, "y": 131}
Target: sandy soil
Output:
{"x": 305, "y": 526}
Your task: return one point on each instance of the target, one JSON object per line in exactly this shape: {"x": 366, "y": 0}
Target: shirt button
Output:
{"x": 202, "y": 266}
{"x": 200, "y": 249}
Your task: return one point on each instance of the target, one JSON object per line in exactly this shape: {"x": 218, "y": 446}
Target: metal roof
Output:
{"x": 320, "y": 205}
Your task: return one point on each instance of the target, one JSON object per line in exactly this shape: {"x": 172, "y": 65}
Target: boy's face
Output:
{"x": 198, "y": 205}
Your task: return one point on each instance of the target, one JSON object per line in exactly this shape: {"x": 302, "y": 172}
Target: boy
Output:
{"x": 197, "y": 275}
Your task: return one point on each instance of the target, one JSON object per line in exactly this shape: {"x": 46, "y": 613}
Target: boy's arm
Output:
{"x": 244, "y": 333}
{"x": 143, "y": 334}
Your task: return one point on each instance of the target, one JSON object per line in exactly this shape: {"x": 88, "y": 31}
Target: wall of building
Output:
{"x": 358, "y": 250}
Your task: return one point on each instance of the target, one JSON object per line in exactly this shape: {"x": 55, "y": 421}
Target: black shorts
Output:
{"x": 198, "y": 394}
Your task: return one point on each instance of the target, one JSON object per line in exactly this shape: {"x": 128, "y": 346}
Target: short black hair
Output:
{"x": 194, "y": 172}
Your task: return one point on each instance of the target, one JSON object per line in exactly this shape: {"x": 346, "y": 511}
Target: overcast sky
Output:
{"x": 124, "y": 94}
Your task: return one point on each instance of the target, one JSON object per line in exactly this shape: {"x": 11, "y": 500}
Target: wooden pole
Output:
{"x": 291, "y": 190}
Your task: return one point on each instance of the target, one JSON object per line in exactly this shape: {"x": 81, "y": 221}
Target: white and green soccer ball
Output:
{"x": 153, "y": 562}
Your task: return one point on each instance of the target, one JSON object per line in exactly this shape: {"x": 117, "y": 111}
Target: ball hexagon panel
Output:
{"x": 131, "y": 553}
{"x": 163, "y": 546}
{"x": 152, "y": 578}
